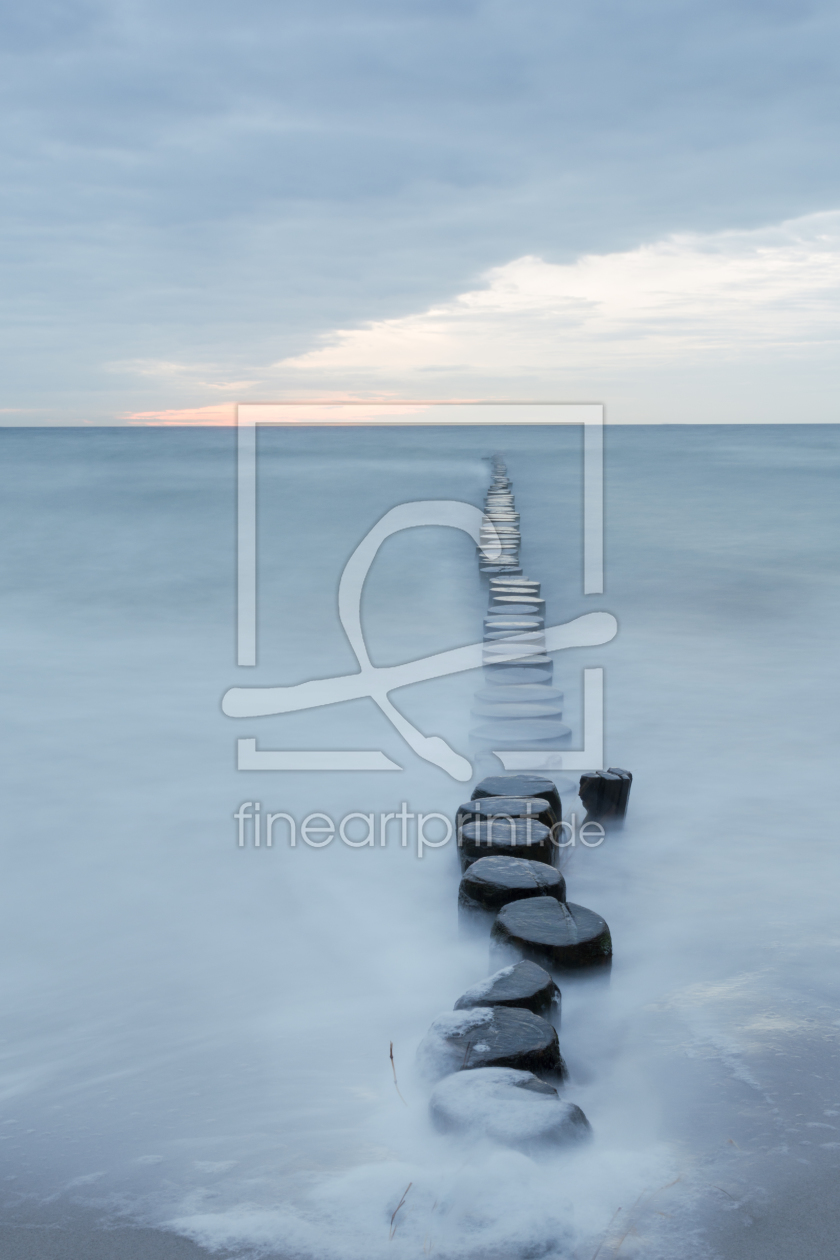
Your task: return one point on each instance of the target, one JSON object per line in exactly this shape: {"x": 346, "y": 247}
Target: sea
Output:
{"x": 197, "y": 1032}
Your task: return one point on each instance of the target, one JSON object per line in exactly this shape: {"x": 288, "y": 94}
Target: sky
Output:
{"x": 208, "y": 203}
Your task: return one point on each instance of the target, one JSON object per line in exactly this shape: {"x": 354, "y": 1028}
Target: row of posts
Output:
{"x": 496, "y": 1056}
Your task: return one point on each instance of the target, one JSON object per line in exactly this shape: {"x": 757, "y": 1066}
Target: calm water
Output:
{"x": 197, "y": 1034}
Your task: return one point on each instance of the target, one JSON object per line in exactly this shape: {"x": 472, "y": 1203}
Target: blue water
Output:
{"x": 197, "y": 1034}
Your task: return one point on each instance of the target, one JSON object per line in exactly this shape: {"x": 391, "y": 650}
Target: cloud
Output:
{"x": 193, "y": 375}
{"x": 223, "y": 187}
{"x": 730, "y": 326}
{"x": 690, "y": 299}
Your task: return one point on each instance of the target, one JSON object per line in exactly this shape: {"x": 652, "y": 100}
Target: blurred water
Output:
{"x": 198, "y": 1034}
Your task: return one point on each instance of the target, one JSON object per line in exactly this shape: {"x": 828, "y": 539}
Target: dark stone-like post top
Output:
{"x": 605, "y": 794}
{"x": 557, "y": 935}
{"x": 520, "y": 785}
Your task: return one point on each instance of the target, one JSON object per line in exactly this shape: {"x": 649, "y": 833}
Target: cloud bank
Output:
{"x": 690, "y": 304}
{"x": 218, "y": 188}
{"x": 738, "y": 326}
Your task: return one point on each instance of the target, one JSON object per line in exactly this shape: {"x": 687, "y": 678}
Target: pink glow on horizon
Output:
{"x": 218, "y": 414}
{"x": 295, "y": 410}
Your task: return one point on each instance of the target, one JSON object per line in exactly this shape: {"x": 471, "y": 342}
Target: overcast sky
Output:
{"x": 633, "y": 202}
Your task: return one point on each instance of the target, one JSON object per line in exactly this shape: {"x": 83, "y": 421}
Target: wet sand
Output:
{"x": 53, "y": 1232}
{"x": 800, "y": 1219}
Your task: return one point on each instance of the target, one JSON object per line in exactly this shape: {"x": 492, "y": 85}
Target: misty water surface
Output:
{"x": 197, "y": 1034}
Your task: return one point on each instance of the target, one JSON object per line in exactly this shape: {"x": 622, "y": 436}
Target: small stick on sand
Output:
{"x": 606, "y": 1234}
{"x": 393, "y": 1228}
{"x": 394, "y": 1070}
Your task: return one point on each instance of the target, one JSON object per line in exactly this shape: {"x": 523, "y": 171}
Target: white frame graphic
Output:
{"x": 413, "y": 412}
